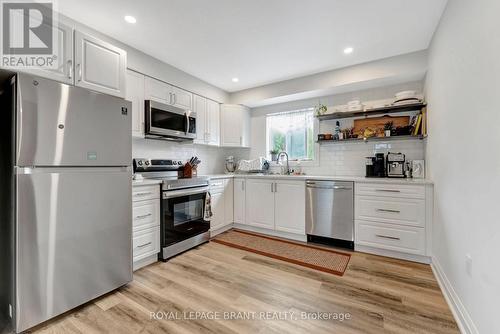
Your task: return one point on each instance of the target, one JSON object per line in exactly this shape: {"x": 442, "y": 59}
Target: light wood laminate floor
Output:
{"x": 381, "y": 295}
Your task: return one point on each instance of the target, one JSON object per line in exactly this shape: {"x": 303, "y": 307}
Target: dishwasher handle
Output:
{"x": 311, "y": 184}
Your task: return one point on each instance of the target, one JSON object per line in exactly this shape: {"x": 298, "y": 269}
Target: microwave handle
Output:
{"x": 187, "y": 122}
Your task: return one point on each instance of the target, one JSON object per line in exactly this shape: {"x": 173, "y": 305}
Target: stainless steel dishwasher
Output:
{"x": 330, "y": 212}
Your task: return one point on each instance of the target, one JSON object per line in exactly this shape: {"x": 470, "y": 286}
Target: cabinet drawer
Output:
{"x": 146, "y": 243}
{"x": 145, "y": 214}
{"x": 390, "y": 190}
{"x": 217, "y": 185}
{"x": 400, "y": 211}
{"x": 141, "y": 193}
{"x": 396, "y": 238}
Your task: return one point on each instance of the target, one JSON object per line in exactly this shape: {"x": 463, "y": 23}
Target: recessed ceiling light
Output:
{"x": 130, "y": 19}
{"x": 235, "y": 79}
{"x": 348, "y": 50}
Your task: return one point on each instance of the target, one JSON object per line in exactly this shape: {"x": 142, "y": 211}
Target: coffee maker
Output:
{"x": 375, "y": 166}
{"x": 395, "y": 165}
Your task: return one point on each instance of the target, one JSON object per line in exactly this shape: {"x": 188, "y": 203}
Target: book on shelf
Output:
{"x": 418, "y": 123}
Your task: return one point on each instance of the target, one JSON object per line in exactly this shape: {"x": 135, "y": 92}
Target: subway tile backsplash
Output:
{"x": 339, "y": 159}
{"x": 212, "y": 158}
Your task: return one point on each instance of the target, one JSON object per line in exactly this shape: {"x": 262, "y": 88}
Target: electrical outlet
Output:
{"x": 468, "y": 264}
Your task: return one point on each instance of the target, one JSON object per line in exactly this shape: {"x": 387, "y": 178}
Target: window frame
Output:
{"x": 293, "y": 163}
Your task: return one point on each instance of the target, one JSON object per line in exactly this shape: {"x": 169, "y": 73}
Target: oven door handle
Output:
{"x": 183, "y": 192}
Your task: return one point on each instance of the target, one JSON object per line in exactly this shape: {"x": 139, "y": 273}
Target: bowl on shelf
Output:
{"x": 328, "y": 136}
{"x": 406, "y": 94}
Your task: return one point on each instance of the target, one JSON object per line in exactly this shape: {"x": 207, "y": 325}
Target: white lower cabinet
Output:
{"x": 289, "y": 206}
{"x": 393, "y": 220}
{"x": 221, "y": 191}
{"x": 276, "y": 205}
{"x": 145, "y": 224}
{"x": 239, "y": 189}
{"x": 260, "y": 203}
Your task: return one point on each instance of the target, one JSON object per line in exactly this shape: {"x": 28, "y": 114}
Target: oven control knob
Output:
{"x": 146, "y": 163}
{"x": 139, "y": 163}
{"x": 179, "y": 162}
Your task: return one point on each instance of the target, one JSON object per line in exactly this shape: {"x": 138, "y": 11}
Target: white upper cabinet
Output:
{"x": 213, "y": 123}
{"x": 207, "y": 121}
{"x": 135, "y": 94}
{"x": 99, "y": 65}
{"x": 157, "y": 90}
{"x": 239, "y": 200}
{"x": 181, "y": 98}
{"x": 235, "y": 125}
{"x": 260, "y": 203}
{"x": 65, "y": 65}
{"x": 200, "y": 108}
{"x": 289, "y": 206}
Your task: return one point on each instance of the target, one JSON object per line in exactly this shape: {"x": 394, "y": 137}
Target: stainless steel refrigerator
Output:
{"x": 70, "y": 198}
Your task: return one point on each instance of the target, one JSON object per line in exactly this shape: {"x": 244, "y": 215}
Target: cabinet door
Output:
{"x": 100, "y": 66}
{"x": 182, "y": 98}
{"x": 65, "y": 66}
{"x": 218, "y": 211}
{"x": 157, "y": 90}
{"x": 260, "y": 203}
{"x": 213, "y": 123}
{"x": 200, "y": 108}
{"x": 228, "y": 201}
{"x": 290, "y": 206}
{"x": 231, "y": 126}
{"x": 245, "y": 123}
{"x": 135, "y": 94}
{"x": 239, "y": 201}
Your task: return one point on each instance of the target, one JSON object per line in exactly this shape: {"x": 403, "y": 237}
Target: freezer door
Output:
{"x": 73, "y": 239}
{"x": 62, "y": 125}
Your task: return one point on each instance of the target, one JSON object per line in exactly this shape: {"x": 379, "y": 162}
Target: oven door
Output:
{"x": 168, "y": 121}
{"x": 182, "y": 215}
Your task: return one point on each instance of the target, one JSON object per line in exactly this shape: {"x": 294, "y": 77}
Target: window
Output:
{"x": 292, "y": 132}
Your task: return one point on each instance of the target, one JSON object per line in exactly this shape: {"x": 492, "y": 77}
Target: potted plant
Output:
{"x": 274, "y": 154}
{"x": 388, "y": 128}
{"x": 321, "y": 109}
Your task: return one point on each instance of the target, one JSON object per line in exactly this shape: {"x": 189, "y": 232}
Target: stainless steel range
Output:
{"x": 182, "y": 207}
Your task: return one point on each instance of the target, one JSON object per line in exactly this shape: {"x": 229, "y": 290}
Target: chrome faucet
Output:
{"x": 287, "y": 172}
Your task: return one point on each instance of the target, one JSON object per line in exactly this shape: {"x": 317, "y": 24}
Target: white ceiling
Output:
{"x": 262, "y": 41}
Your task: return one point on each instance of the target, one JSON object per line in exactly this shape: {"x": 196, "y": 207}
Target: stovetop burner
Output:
{"x": 167, "y": 170}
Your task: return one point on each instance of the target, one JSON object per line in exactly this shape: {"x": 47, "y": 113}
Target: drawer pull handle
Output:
{"x": 216, "y": 184}
{"x": 386, "y": 237}
{"x": 144, "y": 245}
{"x": 387, "y": 210}
{"x": 143, "y": 194}
{"x": 388, "y": 190}
{"x": 144, "y": 216}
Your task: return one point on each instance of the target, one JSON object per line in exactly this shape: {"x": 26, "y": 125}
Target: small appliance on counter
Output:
{"x": 395, "y": 165}
{"x": 230, "y": 165}
{"x": 375, "y": 166}
{"x": 259, "y": 165}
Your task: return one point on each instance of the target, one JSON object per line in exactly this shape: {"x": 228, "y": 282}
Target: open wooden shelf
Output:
{"x": 370, "y": 112}
{"x": 362, "y": 140}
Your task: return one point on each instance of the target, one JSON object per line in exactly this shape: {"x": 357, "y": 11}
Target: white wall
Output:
{"x": 212, "y": 158}
{"x": 383, "y": 72}
{"x": 341, "y": 159}
{"x": 463, "y": 86}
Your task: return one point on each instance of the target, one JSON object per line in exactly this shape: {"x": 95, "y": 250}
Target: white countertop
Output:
{"x": 326, "y": 177}
{"x": 145, "y": 182}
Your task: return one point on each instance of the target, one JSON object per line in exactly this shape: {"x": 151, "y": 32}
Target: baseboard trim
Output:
{"x": 213, "y": 233}
{"x": 393, "y": 254}
{"x": 280, "y": 234}
{"x": 462, "y": 317}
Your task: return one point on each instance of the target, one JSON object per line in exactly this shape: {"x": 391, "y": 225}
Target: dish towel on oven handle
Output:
{"x": 208, "y": 207}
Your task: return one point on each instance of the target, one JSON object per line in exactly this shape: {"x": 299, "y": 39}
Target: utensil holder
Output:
{"x": 189, "y": 171}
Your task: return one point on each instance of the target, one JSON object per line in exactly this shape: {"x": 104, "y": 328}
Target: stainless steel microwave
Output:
{"x": 163, "y": 121}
